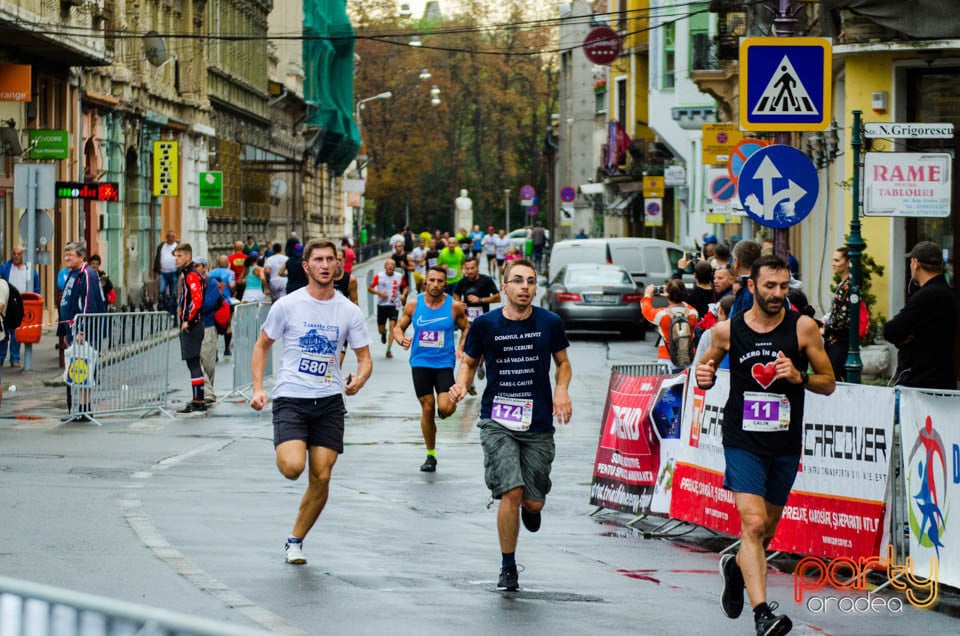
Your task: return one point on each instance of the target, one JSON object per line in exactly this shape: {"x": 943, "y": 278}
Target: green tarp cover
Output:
{"x": 328, "y": 64}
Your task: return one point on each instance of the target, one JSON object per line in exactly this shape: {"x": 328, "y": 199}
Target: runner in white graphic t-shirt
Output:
{"x": 308, "y": 408}
{"x": 390, "y": 286}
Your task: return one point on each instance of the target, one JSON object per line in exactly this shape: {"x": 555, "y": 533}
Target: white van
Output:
{"x": 649, "y": 261}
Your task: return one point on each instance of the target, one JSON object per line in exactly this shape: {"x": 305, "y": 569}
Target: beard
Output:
{"x": 770, "y": 306}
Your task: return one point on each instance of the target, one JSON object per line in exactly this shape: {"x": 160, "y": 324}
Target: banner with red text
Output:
{"x": 931, "y": 468}
{"x": 628, "y": 454}
{"x": 837, "y": 505}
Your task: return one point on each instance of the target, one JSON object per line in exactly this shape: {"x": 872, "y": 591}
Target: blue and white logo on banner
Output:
{"x": 778, "y": 186}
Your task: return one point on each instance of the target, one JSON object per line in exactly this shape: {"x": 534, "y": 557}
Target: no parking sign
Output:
{"x": 653, "y": 212}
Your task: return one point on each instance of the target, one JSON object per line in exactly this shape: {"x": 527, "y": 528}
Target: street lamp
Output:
{"x": 361, "y": 102}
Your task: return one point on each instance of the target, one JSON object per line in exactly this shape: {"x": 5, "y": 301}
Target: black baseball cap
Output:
{"x": 927, "y": 253}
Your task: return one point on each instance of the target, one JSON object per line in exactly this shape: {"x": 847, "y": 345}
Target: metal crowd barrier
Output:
{"x": 643, "y": 370}
{"x": 118, "y": 362}
{"x": 247, "y": 320}
{"x": 32, "y": 609}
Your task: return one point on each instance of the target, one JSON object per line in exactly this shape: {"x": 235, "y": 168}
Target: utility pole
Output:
{"x": 783, "y": 24}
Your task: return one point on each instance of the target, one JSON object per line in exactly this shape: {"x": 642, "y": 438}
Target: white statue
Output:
{"x": 464, "y": 211}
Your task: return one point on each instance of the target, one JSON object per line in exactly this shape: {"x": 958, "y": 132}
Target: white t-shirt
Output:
{"x": 275, "y": 262}
{"x": 168, "y": 262}
{"x": 312, "y": 332}
{"x": 501, "y": 244}
{"x": 419, "y": 254}
{"x": 18, "y": 277}
{"x": 392, "y": 286}
{"x": 489, "y": 243}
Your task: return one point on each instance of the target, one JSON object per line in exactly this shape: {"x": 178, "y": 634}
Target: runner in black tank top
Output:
{"x": 343, "y": 284}
{"x": 769, "y": 349}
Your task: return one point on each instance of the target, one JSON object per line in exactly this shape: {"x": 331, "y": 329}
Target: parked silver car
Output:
{"x": 596, "y": 296}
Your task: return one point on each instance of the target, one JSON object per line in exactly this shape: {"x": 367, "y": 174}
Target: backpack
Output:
{"x": 13, "y": 312}
{"x": 680, "y": 344}
{"x": 221, "y": 316}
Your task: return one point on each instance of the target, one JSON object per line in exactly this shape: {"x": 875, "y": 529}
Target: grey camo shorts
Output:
{"x": 516, "y": 458}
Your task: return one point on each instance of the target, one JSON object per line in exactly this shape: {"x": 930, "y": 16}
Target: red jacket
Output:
{"x": 191, "y": 295}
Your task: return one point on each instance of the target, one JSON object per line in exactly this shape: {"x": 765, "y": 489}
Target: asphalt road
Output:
{"x": 190, "y": 514}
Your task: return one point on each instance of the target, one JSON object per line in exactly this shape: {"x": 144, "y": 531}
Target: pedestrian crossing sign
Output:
{"x": 785, "y": 84}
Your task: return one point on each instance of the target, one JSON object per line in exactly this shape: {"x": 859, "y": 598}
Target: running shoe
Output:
{"x": 389, "y": 354}
{"x": 731, "y": 598}
{"x": 472, "y": 390}
{"x": 509, "y": 580}
{"x": 227, "y": 354}
{"x": 531, "y": 520}
{"x": 430, "y": 465}
{"x": 294, "y": 553}
{"x": 770, "y": 624}
{"x": 383, "y": 338}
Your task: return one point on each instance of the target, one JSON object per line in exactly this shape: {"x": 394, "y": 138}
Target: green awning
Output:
{"x": 328, "y": 85}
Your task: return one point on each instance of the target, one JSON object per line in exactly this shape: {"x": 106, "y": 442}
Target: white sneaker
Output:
{"x": 294, "y": 553}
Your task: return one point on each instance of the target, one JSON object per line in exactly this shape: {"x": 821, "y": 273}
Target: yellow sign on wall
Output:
{"x": 653, "y": 187}
{"x": 718, "y": 141}
{"x": 166, "y": 169}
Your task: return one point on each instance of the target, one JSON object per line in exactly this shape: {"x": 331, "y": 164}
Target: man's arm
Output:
{"x": 372, "y": 288}
{"x": 900, "y": 329}
{"x": 258, "y": 363}
{"x": 468, "y": 368}
{"x": 364, "y": 370}
{"x": 822, "y": 380}
{"x": 562, "y": 406}
{"x": 399, "y": 329}
{"x": 352, "y": 288}
{"x": 460, "y": 318}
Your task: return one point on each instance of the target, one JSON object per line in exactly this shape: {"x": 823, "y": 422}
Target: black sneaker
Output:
{"x": 430, "y": 465}
{"x": 531, "y": 520}
{"x": 769, "y": 624}
{"x": 509, "y": 581}
{"x": 472, "y": 390}
{"x": 383, "y": 338}
{"x": 731, "y": 598}
{"x": 193, "y": 407}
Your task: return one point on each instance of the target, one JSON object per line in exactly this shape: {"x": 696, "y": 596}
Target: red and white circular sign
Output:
{"x": 602, "y": 45}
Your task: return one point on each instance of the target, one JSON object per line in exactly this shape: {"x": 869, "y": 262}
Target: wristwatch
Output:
{"x": 804, "y": 378}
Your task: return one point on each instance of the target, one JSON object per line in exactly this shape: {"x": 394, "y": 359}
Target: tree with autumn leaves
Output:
{"x": 497, "y": 91}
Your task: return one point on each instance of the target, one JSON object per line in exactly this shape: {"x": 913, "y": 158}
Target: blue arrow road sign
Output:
{"x": 778, "y": 186}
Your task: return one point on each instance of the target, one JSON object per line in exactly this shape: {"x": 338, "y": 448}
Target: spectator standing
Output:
{"x": 251, "y": 246}
{"x": 293, "y": 270}
{"x": 82, "y": 294}
{"x": 676, "y": 294}
{"x": 349, "y": 257}
{"x": 189, "y": 303}
{"x": 702, "y": 294}
{"x": 723, "y": 282}
{"x": 14, "y": 272}
{"x": 106, "y": 285}
{"x": 272, "y": 266}
{"x": 539, "y": 237}
{"x": 227, "y": 282}
{"x": 237, "y": 260}
{"x": 745, "y": 252}
{"x": 582, "y": 234}
{"x": 208, "y": 347}
{"x": 836, "y": 330}
{"x": 254, "y": 281}
{"x": 721, "y": 256}
{"x": 925, "y": 329}
{"x": 165, "y": 269}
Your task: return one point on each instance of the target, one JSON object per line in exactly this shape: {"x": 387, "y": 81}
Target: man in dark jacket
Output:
{"x": 189, "y": 318}
{"x": 82, "y": 294}
{"x": 925, "y": 329}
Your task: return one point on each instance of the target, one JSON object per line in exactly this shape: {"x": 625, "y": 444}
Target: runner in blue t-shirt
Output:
{"x": 517, "y": 343}
{"x": 435, "y": 316}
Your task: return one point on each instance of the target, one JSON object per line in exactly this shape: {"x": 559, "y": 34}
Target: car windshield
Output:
{"x": 598, "y": 277}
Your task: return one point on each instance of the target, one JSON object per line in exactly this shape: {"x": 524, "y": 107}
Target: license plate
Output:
{"x": 601, "y": 298}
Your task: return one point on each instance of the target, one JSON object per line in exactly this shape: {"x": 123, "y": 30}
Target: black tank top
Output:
{"x": 343, "y": 285}
{"x": 296, "y": 277}
{"x": 752, "y": 387}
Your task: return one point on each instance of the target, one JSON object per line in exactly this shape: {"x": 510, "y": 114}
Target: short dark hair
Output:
{"x": 185, "y": 248}
{"x": 703, "y": 272}
{"x": 769, "y": 261}
{"x": 722, "y": 251}
{"x": 437, "y": 268}
{"x": 519, "y": 261}
{"x": 318, "y": 244}
{"x": 676, "y": 291}
{"x": 277, "y": 247}
{"x": 745, "y": 252}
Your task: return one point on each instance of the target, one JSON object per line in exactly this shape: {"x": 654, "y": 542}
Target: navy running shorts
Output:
{"x": 770, "y": 477}
{"x": 426, "y": 380}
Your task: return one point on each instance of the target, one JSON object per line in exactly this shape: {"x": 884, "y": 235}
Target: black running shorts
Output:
{"x": 385, "y": 313}
{"x": 426, "y": 380}
{"x": 316, "y": 421}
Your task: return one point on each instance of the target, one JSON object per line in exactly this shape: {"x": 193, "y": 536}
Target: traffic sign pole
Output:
{"x": 783, "y": 26}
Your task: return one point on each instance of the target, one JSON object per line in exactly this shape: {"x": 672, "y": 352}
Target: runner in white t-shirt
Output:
{"x": 308, "y": 408}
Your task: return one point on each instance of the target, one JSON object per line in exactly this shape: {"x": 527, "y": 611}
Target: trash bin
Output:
{"x": 31, "y": 328}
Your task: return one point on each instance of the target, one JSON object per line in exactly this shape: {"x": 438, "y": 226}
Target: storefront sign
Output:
{"x": 211, "y": 190}
{"x": 907, "y": 184}
{"x": 49, "y": 144}
{"x": 102, "y": 191}
{"x": 15, "y": 82}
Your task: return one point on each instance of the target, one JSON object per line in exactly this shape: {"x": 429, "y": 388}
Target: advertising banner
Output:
{"x": 931, "y": 469}
{"x": 639, "y": 412}
{"x": 837, "y": 505}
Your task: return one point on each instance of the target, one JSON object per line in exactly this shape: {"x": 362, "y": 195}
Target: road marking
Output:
{"x": 140, "y": 523}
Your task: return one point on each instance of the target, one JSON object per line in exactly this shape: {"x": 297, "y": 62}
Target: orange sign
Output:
{"x": 15, "y": 82}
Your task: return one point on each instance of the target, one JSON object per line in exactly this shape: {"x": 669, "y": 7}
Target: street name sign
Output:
{"x": 908, "y": 131}
{"x": 785, "y": 84}
{"x": 907, "y": 184}
{"x": 778, "y": 186}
